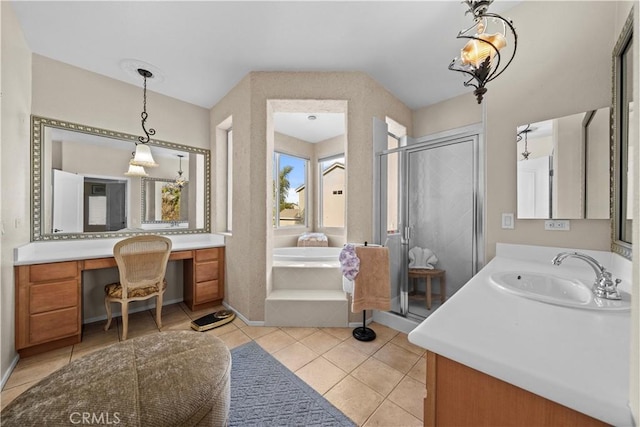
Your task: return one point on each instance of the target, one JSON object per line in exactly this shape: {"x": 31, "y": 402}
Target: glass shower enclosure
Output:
{"x": 430, "y": 215}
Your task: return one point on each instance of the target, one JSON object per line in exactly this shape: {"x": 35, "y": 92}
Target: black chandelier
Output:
{"x": 143, "y": 155}
{"x": 480, "y": 57}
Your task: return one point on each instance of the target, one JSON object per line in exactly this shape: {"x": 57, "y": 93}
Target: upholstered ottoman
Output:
{"x": 178, "y": 378}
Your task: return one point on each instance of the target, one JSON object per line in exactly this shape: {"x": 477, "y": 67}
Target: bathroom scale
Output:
{"x": 213, "y": 320}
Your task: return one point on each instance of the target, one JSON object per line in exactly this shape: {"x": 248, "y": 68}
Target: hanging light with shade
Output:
{"x": 480, "y": 57}
{"x": 526, "y": 153}
{"x": 143, "y": 155}
{"x": 135, "y": 170}
{"x": 180, "y": 180}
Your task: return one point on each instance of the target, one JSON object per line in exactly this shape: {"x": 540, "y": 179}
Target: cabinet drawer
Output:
{"x": 207, "y": 271}
{"x": 52, "y": 296}
{"x": 203, "y": 255}
{"x": 53, "y": 271}
{"x": 53, "y": 325}
{"x": 206, "y": 291}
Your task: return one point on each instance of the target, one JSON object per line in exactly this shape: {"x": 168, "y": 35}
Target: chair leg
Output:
{"x": 428, "y": 291}
{"x": 125, "y": 319}
{"x": 159, "y": 310}
{"x": 107, "y": 305}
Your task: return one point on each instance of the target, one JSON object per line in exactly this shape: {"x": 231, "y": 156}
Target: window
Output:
{"x": 289, "y": 190}
{"x": 229, "y": 178}
{"x": 396, "y": 138}
{"x": 332, "y": 191}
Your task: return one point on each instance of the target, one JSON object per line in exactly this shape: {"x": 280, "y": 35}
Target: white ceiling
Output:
{"x": 204, "y": 48}
{"x": 298, "y": 125}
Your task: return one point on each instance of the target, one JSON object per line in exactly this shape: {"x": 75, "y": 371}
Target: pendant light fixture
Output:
{"x": 480, "y": 57}
{"x": 525, "y": 132}
{"x": 180, "y": 181}
{"x": 135, "y": 170}
{"x": 143, "y": 155}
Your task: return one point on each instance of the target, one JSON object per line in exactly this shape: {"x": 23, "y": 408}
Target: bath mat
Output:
{"x": 265, "y": 393}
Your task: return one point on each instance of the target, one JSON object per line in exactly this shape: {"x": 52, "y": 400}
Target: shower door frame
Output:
{"x": 460, "y": 135}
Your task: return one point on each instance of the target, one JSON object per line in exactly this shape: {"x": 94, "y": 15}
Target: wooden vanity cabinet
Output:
{"x": 458, "y": 395}
{"x": 204, "y": 278}
{"x": 48, "y": 307}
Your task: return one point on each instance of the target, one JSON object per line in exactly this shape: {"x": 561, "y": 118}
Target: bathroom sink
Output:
{"x": 555, "y": 290}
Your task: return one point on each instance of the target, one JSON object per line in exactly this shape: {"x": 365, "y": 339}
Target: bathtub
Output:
{"x": 306, "y": 254}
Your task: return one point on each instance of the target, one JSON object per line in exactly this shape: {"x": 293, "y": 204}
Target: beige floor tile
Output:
{"x": 355, "y": 399}
{"x": 173, "y": 314}
{"x": 389, "y": 414}
{"x": 258, "y": 331}
{"x": 198, "y": 313}
{"x": 419, "y": 370}
{"x": 295, "y": 356}
{"x": 397, "y": 357}
{"x": 383, "y": 333}
{"x": 78, "y": 352}
{"x": 409, "y": 395}
{"x": 401, "y": 340}
{"x": 8, "y": 395}
{"x": 179, "y": 326}
{"x": 345, "y": 356}
{"x": 299, "y": 333}
{"x": 235, "y": 339}
{"x": 340, "y": 333}
{"x": 321, "y": 374}
{"x": 98, "y": 337}
{"x": 43, "y": 357}
{"x": 367, "y": 347}
{"x": 320, "y": 342}
{"x": 274, "y": 341}
{"x": 27, "y": 373}
{"x": 377, "y": 375}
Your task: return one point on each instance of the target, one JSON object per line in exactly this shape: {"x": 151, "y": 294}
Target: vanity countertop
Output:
{"x": 69, "y": 250}
{"x": 576, "y": 357}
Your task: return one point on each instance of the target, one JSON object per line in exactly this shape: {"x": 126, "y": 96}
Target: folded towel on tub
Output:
{"x": 313, "y": 239}
{"x": 371, "y": 288}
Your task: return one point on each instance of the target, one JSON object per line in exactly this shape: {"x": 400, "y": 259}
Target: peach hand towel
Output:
{"x": 371, "y": 288}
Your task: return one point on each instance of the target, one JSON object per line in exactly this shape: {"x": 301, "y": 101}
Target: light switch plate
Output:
{"x": 507, "y": 221}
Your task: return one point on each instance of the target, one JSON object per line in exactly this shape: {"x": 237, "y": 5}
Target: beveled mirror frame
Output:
{"x": 37, "y": 132}
{"x": 617, "y": 134}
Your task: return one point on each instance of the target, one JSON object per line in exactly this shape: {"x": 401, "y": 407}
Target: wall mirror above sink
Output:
{"x": 80, "y": 190}
{"x": 622, "y": 131}
{"x": 563, "y": 167}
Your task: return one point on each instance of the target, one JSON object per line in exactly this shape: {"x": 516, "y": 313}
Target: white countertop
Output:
{"x": 576, "y": 357}
{"x": 69, "y": 250}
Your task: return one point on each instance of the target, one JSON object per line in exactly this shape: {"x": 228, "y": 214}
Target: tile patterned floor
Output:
{"x": 377, "y": 383}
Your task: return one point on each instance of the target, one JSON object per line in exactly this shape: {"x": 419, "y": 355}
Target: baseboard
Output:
{"x": 244, "y": 319}
{"x": 7, "y": 374}
{"x": 136, "y": 310}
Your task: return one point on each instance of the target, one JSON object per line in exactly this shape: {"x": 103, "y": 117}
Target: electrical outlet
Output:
{"x": 557, "y": 225}
{"x": 507, "y": 221}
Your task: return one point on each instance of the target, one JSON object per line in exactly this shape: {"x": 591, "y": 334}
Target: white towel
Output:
{"x": 422, "y": 258}
{"x": 347, "y": 285}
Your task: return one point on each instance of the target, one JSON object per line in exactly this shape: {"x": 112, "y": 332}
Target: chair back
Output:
{"x": 142, "y": 260}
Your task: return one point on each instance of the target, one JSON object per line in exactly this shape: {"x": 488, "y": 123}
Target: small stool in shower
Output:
{"x": 419, "y": 273}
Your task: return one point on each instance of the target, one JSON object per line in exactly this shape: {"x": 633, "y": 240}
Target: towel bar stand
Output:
{"x": 363, "y": 333}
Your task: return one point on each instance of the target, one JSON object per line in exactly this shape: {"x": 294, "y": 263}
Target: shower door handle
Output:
{"x": 406, "y": 235}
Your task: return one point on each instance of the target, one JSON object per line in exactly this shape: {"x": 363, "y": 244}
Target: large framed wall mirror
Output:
{"x": 563, "y": 167}
{"x": 80, "y": 190}
{"x": 623, "y": 115}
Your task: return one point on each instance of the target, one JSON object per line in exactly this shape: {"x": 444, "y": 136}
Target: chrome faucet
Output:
{"x": 604, "y": 286}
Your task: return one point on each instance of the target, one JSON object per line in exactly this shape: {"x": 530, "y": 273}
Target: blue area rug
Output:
{"x": 265, "y": 393}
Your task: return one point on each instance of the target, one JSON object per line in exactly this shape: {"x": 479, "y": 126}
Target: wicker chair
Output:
{"x": 142, "y": 263}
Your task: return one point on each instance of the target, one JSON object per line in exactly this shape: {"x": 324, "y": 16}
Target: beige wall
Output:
{"x": 15, "y": 165}
{"x": 248, "y": 283}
